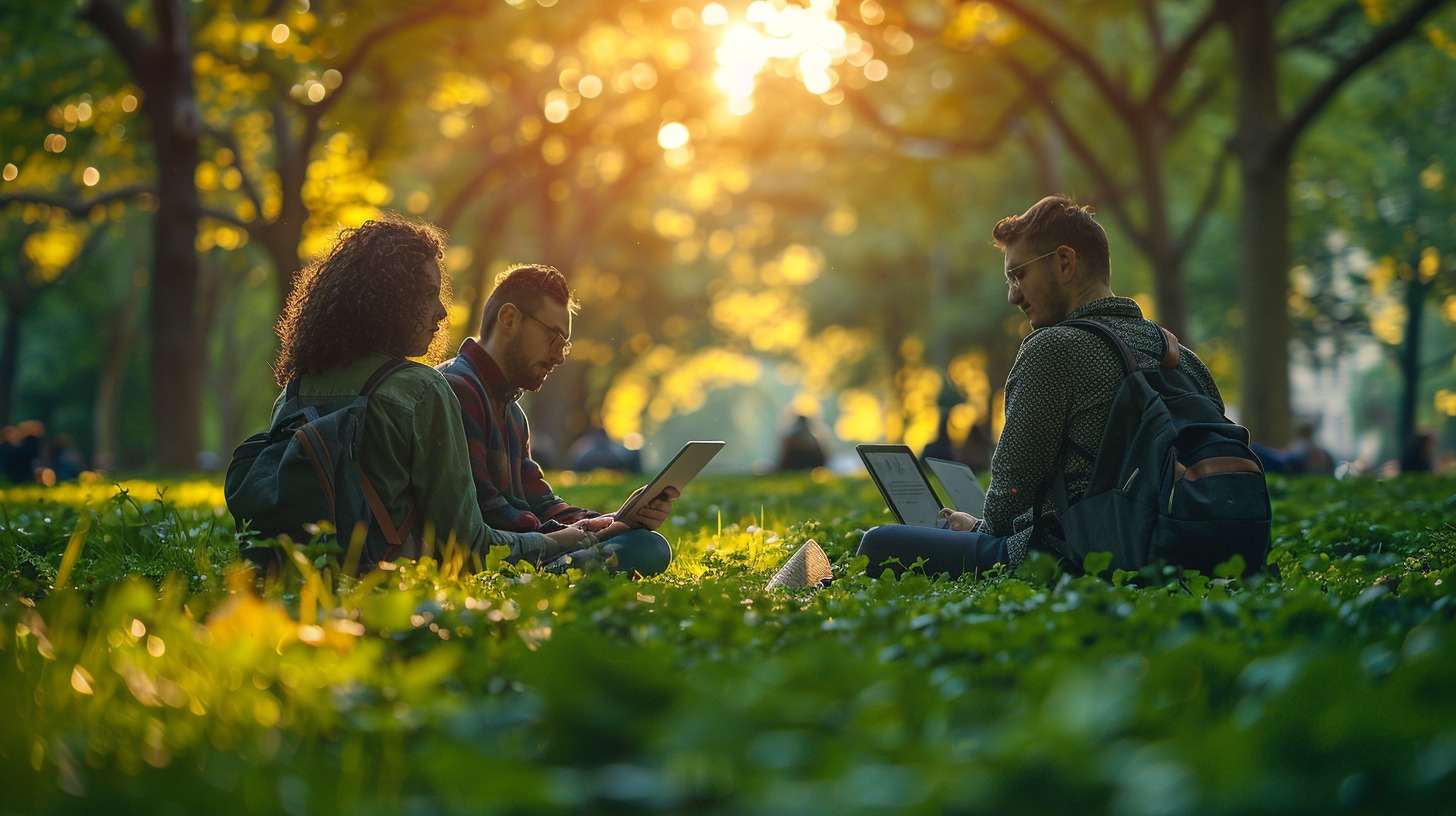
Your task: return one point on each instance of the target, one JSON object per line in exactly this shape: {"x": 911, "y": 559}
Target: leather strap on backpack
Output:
{"x": 393, "y": 535}
{"x": 1168, "y": 359}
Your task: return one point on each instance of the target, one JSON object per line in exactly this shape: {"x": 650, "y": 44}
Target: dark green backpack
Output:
{"x": 1174, "y": 480}
{"x": 305, "y": 469}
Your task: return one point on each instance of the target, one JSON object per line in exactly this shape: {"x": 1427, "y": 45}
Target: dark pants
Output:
{"x": 638, "y": 551}
{"x": 948, "y": 552}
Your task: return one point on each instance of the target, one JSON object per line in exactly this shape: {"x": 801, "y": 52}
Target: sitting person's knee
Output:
{"x": 877, "y": 545}
{"x": 644, "y": 552}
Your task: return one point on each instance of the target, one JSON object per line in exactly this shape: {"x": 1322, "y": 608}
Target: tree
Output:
{"x": 1387, "y": 204}
{"x": 160, "y": 62}
{"x": 1265, "y": 139}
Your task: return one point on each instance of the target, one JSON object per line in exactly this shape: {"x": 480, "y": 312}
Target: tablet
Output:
{"x": 903, "y": 484}
{"x": 960, "y": 485}
{"x": 681, "y": 470}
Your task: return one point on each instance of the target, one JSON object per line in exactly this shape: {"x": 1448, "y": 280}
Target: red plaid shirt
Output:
{"x": 512, "y": 492}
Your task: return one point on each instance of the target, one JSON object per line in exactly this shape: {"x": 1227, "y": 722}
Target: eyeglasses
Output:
{"x": 559, "y": 341}
{"x": 1015, "y": 283}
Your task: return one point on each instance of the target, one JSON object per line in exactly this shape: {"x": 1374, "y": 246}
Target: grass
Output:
{"x": 134, "y": 676}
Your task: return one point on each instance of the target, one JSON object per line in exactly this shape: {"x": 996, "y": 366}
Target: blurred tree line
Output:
{"x": 798, "y": 193}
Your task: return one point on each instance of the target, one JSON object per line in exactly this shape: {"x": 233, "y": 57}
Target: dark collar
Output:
{"x": 1108, "y": 307}
{"x": 491, "y": 376}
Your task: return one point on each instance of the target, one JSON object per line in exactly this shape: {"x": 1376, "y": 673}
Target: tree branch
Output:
{"x": 1383, "y": 41}
{"x": 1326, "y": 27}
{"x": 382, "y": 32}
{"x": 1206, "y": 203}
{"x": 226, "y": 139}
{"x": 983, "y": 143}
{"x": 76, "y": 206}
{"x": 1176, "y": 62}
{"x": 131, "y": 44}
{"x": 1101, "y": 175}
{"x": 1116, "y": 99}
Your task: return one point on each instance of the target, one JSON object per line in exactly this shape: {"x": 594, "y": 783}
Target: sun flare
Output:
{"x": 806, "y": 42}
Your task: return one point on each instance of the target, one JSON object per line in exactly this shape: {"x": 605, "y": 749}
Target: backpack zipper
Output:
{"x": 1130, "y": 479}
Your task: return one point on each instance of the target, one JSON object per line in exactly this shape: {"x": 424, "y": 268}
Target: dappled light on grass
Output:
{"x": 421, "y": 685}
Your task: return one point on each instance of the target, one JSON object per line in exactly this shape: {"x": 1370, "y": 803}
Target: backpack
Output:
{"x": 305, "y": 469}
{"x": 1174, "y": 480}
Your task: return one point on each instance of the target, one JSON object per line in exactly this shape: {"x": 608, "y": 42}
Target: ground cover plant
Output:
{"x": 137, "y": 673}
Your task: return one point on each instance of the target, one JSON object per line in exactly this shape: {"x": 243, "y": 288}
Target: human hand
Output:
{"x": 568, "y": 539}
{"x": 962, "y": 521}
{"x": 596, "y": 525}
{"x": 652, "y": 514}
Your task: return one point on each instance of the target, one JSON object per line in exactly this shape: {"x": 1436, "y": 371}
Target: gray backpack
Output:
{"x": 1173, "y": 481}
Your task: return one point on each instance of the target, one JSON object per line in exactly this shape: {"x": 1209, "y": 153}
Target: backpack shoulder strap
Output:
{"x": 385, "y": 369}
{"x": 290, "y": 391}
{"x": 1169, "y": 357}
{"x": 1129, "y": 361}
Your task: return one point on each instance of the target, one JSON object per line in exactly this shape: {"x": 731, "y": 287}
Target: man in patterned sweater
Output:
{"x": 1060, "y": 388}
{"x": 524, "y": 335}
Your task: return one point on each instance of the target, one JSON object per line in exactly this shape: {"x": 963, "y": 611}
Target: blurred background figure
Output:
{"x": 595, "y": 450}
{"x": 20, "y": 451}
{"x": 801, "y": 448}
{"x": 1306, "y": 456}
{"x": 1420, "y": 454}
{"x": 66, "y": 461}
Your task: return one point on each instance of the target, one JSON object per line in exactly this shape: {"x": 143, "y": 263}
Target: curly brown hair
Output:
{"x": 371, "y": 294}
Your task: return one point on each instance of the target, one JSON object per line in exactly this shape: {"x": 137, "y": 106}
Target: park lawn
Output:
{"x": 148, "y": 683}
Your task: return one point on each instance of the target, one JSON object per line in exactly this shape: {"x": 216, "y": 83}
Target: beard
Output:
{"x": 524, "y": 372}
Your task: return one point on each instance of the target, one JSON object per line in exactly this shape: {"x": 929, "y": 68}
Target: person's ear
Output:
{"x": 507, "y": 317}
{"x": 1066, "y": 265}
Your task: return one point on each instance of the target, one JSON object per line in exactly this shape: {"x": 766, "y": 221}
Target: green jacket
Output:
{"x": 415, "y": 455}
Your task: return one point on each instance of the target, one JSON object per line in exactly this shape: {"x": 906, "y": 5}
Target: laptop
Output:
{"x": 907, "y": 491}
{"x": 677, "y": 473}
{"x": 960, "y": 484}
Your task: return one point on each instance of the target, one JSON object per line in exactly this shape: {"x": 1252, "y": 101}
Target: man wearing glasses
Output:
{"x": 1060, "y": 389}
{"x": 524, "y": 335}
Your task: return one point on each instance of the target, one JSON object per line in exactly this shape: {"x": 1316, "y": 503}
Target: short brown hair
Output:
{"x": 526, "y": 285}
{"x": 1057, "y": 221}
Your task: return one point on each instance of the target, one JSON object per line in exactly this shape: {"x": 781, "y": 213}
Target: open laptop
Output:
{"x": 907, "y": 491}
{"x": 961, "y": 485}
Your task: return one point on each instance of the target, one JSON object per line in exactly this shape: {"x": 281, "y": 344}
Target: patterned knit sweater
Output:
{"x": 1065, "y": 378}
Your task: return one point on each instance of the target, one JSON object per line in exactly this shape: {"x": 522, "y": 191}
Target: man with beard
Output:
{"x": 524, "y": 335}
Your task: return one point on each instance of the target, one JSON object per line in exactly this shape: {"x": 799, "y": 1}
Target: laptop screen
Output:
{"x": 901, "y": 482}
{"x": 960, "y": 484}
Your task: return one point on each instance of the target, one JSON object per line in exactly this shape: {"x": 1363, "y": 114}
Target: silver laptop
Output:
{"x": 960, "y": 484}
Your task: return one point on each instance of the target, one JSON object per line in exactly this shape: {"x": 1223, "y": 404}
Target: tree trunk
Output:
{"x": 177, "y": 342}
{"x": 15, "y": 309}
{"x": 121, "y": 335}
{"x": 1263, "y": 155}
{"x": 1410, "y": 370}
{"x": 162, "y": 66}
{"x": 1161, "y": 249}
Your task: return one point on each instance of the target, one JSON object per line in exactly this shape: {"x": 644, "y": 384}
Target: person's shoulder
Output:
{"x": 1055, "y": 342}
{"x": 411, "y": 383}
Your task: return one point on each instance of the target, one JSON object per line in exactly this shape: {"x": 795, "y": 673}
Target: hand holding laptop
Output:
{"x": 956, "y": 520}
{"x": 649, "y": 506}
{"x": 649, "y": 515}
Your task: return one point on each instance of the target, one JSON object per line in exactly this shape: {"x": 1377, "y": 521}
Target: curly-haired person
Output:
{"x": 378, "y": 294}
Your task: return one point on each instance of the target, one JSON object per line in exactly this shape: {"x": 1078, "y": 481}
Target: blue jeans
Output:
{"x": 639, "y": 551}
{"x": 945, "y": 552}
